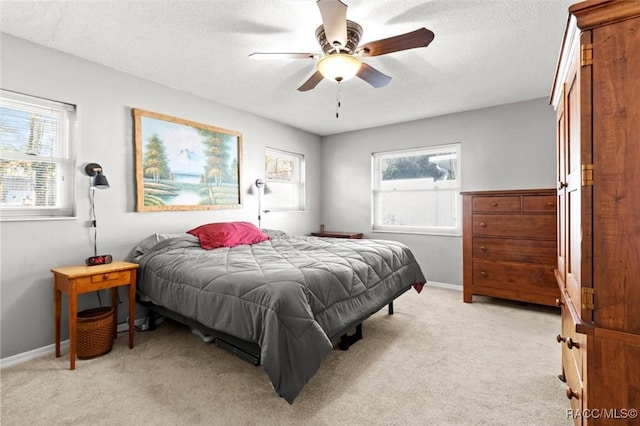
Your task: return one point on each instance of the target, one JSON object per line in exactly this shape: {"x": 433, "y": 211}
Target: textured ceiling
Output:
{"x": 485, "y": 52}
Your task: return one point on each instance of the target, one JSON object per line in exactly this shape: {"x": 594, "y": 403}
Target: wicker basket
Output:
{"x": 95, "y": 332}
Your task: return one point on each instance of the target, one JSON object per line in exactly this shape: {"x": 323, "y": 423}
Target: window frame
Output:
{"x": 63, "y": 157}
{"x": 455, "y": 186}
{"x": 298, "y": 186}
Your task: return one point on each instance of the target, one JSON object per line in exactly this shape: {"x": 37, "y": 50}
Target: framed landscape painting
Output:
{"x": 183, "y": 165}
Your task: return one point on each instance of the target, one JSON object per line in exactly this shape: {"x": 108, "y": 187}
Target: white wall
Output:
{"x": 505, "y": 147}
{"x": 104, "y": 98}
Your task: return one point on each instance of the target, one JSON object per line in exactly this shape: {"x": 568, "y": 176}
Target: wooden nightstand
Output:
{"x": 75, "y": 280}
{"x": 334, "y": 234}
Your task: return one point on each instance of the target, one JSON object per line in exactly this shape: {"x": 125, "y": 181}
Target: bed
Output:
{"x": 287, "y": 297}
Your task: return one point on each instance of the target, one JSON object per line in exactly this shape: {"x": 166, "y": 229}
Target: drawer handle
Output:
{"x": 572, "y": 344}
{"x": 559, "y": 303}
{"x": 483, "y": 248}
{"x": 494, "y": 204}
{"x": 482, "y": 224}
{"x": 483, "y": 273}
{"x": 105, "y": 277}
{"x": 571, "y": 394}
{"x": 550, "y": 204}
{"x": 561, "y": 339}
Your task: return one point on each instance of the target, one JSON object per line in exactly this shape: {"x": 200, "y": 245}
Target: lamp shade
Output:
{"x": 98, "y": 180}
{"x": 339, "y": 66}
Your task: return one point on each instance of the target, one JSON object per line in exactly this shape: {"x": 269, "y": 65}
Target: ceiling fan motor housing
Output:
{"x": 354, "y": 32}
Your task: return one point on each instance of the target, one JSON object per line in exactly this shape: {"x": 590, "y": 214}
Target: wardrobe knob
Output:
{"x": 559, "y": 303}
{"x": 572, "y": 344}
{"x": 571, "y": 394}
{"x": 561, "y": 339}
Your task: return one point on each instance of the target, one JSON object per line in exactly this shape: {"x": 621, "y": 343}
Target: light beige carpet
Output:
{"x": 436, "y": 361}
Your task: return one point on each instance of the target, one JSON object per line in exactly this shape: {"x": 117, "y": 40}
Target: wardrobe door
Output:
{"x": 616, "y": 157}
{"x": 578, "y": 187}
{"x": 561, "y": 243}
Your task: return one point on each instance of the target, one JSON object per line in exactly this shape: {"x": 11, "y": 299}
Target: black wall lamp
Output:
{"x": 98, "y": 180}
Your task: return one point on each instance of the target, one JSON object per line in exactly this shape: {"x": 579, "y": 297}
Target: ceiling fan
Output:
{"x": 339, "y": 38}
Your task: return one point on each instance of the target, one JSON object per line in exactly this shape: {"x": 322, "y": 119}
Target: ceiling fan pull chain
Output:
{"x": 338, "y": 101}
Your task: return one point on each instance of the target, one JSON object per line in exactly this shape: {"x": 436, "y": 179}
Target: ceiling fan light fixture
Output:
{"x": 339, "y": 66}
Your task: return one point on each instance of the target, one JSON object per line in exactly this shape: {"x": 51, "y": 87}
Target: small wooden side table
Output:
{"x": 75, "y": 280}
{"x": 334, "y": 234}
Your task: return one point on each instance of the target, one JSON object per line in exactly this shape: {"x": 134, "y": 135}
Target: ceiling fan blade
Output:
{"x": 418, "y": 38}
{"x": 334, "y": 21}
{"x": 373, "y": 76}
{"x": 311, "y": 82}
{"x": 268, "y": 56}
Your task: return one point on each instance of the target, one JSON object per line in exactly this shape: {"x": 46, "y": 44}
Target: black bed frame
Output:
{"x": 249, "y": 351}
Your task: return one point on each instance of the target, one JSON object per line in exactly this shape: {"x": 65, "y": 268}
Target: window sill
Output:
{"x": 6, "y": 219}
{"x": 283, "y": 211}
{"x": 414, "y": 232}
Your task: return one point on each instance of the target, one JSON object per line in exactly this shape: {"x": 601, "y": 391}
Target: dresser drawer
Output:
{"x": 522, "y": 225}
{"x": 574, "y": 391}
{"x": 568, "y": 331}
{"x": 515, "y": 250}
{"x": 572, "y": 359}
{"x": 122, "y": 276}
{"x": 518, "y": 278}
{"x": 539, "y": 204}
{"x": 95, "y": 279}
{"x": 496, "y": 204}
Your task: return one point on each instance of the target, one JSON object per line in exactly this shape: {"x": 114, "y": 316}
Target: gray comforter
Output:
{"x": 290, "y": 295}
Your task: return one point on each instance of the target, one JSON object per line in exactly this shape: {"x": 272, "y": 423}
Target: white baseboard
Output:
{"x": 51, "y": 349}
{"x": 32, "y": 354}
{"x": 444, "y": 285}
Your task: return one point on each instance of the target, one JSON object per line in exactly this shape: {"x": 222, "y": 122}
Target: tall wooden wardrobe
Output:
{"x": 596, "y": 95}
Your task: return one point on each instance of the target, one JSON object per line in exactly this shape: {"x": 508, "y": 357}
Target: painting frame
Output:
{"x": 185, "y": 165}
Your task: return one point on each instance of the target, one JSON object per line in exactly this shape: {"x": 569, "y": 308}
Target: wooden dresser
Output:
{"x": 596, "y": 95}
{"x": 509, "y": 245}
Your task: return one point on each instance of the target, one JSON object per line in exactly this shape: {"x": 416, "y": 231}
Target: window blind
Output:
{"x": 37, "y": 141}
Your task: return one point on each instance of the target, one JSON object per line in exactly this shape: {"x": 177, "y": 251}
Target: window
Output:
{"x": 37, "y": 137}
{"x": 417, "y": 190}
{"x": 285, "y": 181}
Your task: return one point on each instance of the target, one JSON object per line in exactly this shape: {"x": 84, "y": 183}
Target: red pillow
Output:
{"x": 227, "y": 234}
